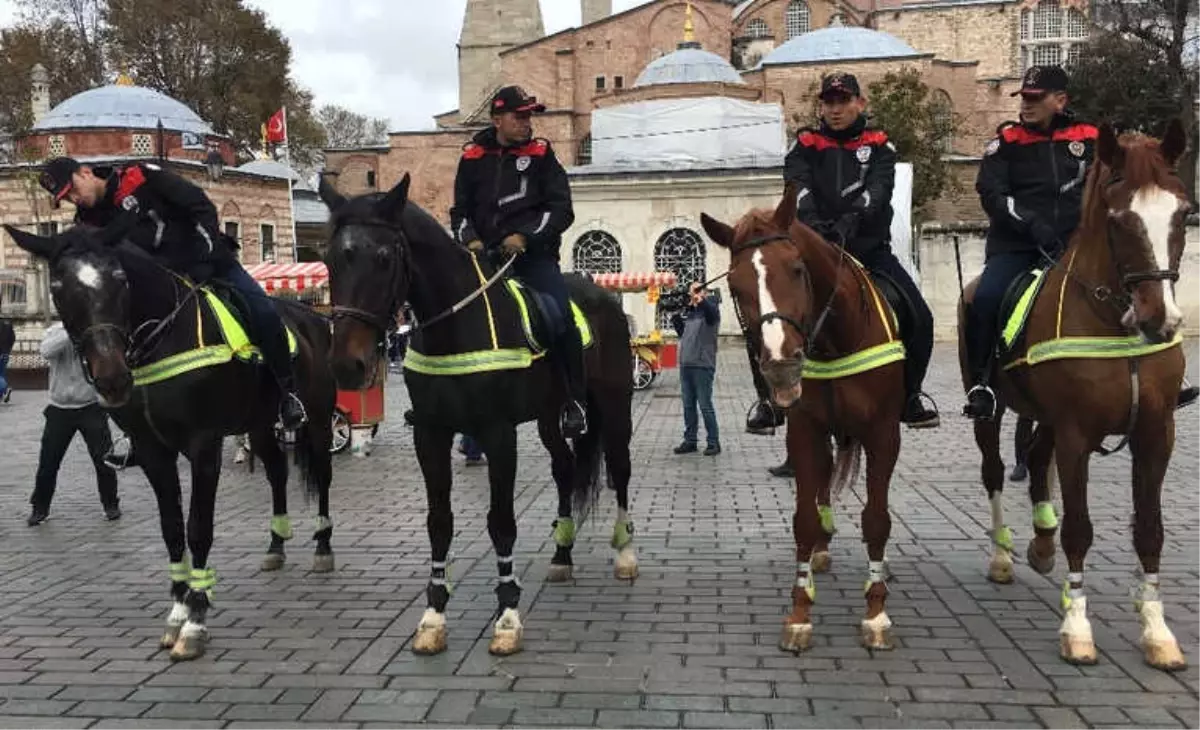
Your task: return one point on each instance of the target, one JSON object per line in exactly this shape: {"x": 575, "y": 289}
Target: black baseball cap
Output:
{"x": 839, "y": 83}
{"x": 56, "y": 176}
{"x": 514, "y": 99}
{"x": 1042, "y": 80}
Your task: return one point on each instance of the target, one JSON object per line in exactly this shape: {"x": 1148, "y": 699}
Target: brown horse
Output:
{"x": 1108, "y": 284}
{"x": 789, "y": 282}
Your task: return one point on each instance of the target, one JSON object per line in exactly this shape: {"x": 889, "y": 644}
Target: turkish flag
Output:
{"x": 277, "y": 128}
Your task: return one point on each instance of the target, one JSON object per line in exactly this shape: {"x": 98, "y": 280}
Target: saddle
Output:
{"x": 904, "y": 311}
{"x": 542, "y": 320}
{"x": 1014, "y": 311}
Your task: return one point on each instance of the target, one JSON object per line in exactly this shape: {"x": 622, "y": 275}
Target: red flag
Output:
{"x": 277, "y": 128}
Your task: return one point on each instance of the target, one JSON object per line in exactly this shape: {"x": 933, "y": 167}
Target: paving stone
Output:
{"x": 553, "y": 717}
{"x": 637, "y": 718}
{"x": 724, "y": 719}
{"x": 249, "y": 711}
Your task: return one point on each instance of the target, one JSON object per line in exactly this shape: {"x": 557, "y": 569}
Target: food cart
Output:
{"x": 651, "y": 350}
{"x": 358, "y": 413}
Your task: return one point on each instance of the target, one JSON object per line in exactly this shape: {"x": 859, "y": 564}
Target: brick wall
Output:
{"x": 986, "y": 33}
{"x": 119, "y": 143}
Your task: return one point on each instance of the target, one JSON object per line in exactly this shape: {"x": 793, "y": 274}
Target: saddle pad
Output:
{"x": 1018, "y": 315}
{"x": 527, "y": 303}
{"x": 235, "y": 344}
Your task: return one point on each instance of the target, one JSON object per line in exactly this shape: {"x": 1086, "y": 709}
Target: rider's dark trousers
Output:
{"x": 266, "y": 326}
{"x": 61, "y": 426}
{"x": 998, "y": 274}
{"x": 918, "y": 344}
{"x": 542, "y": 273}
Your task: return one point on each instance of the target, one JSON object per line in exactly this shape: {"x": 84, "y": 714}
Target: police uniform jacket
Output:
{"x": 1030, "y": 184}
{"x": 499, "y": 191}
{"x": 845, "y": 174}
{"x": 163, "y": 214}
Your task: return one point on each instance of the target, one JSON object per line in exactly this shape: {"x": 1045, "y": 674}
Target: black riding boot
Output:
{"x": 784, "y": 470}
{"x": 292, "y": 414}
{"x": 763, "y": 418}
{"x": 573, "y": 418}
{"x": 1187, "y": 395}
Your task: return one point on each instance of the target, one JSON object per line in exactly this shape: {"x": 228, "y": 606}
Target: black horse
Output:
{"x": 112, "y": 300}
{"x": 469, "y": 370}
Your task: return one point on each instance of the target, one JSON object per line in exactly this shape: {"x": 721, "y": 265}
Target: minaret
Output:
{"x": 594, "y": 10}
{"x": 489, "y": 27}
{"x": 39, "y": 96}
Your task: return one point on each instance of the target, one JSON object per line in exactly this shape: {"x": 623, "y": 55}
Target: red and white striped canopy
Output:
{"x": 296, "y": 277}
{"x": 635, "y": 281}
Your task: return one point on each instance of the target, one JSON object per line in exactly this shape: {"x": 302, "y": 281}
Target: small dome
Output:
{"x": 122, "y": 107}
{"x": 269, "y": 168}
{"x": 839, "y": 44}
{"x": 689, "y": 65}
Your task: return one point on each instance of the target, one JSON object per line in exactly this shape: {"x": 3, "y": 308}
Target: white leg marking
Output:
{"x": 179, "y": 614}
{"x": 772, "y": 332}
{"x": 431, "y": 619}
{"x": 997, "y": 502}
{"x": 1157, "y": 207}
{"x": 1075, "y": 623}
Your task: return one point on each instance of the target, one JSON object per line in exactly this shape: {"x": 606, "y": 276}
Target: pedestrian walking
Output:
{"x": 74, "y": 408}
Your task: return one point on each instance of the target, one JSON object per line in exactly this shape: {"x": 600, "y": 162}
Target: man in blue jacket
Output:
{"x": 697, "y": 327}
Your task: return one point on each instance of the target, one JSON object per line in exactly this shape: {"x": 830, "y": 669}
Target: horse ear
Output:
{"x": 786, "y": 212}
{"x": 40, "y": 246}
{"x": 392, "y": 205}
{"x": 329, "y": 194}
{"x": 721, "y": 234}
{"x": 1174, "y": 141}
{"x": 1108, "y": 148}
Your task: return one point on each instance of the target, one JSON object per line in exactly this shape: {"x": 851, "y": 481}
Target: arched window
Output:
{"x": 596, "y": 252}
{"x": 758, "y": 28}
{"x": 943, "y": 121}
{"x": 796, "y": 19}
{"x": 681, "y": 251}
{"x": 1051, "y": 34}
{"x": 583, "y": 155}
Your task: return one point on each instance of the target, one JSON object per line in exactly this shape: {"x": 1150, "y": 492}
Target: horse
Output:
{"x": 126, "y": 315}
{"x": 843, "y": 382}
{"x": 469, "y": 369}
{"x": 1082, "y": 377}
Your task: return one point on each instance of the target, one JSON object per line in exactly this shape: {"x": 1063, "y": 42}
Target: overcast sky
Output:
{"x": 394, "y": 59}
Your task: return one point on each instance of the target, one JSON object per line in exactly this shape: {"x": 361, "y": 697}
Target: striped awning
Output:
{"x": 635, "y": 281}
{"x": 296, "y": 277}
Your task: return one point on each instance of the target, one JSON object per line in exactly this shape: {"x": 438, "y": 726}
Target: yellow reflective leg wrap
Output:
{"x": 178, "y": 572}
{"x": 1044, "y": 517}
{"x": 825, "y": 513}
{"x": 203, "y": 579}
{"x": 282, "y": 525}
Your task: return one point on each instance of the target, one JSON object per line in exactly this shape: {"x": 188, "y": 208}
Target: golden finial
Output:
{"x": 123, "y": 78}
{"x": 689, "y": 29}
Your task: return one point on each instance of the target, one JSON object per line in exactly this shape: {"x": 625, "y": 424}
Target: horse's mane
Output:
{"x": 416, "y": 222}
{"x": 764, "y": 219}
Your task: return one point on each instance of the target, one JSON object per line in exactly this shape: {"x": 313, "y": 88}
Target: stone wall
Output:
{"x": 772, "y": 12}
{"x": 979, "y": 32}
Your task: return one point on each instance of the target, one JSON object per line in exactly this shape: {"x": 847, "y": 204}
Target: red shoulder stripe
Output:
{"x": 873, "y": 136}
{"x": 1077, "y": 133}
{"x": 816, "y": 141}
{"x": 132, "y": 178}
{"x": 535, "y": 148}
{"x": 1020, "y": 135}
{"x": 473, "y": 152}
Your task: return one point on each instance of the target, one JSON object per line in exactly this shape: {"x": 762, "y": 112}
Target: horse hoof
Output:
{"x": 273, "y": 561}
{"x": 189, "y": 647}
{"x": 626, "y": 566}
{"x": 820, "y": 561}
{"x": 1000, "y": 570}
{"x": 1077, "y": 650}
{"x": 507, "y": 634}
{"x": 1042, "y": 565}
{"x": 560, "y": 573}
{"x": 877, "y": 634}
{"x": 796, "y": 637}
{"x": 430, "y": 640}
{"x": 323, "y": 563}
{"x": 169, "y": 637}
{"x": 1164, "y": 655}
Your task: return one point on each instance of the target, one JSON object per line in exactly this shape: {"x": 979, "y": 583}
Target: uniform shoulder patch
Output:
{"x": 535, "y": 148}
{"x": 1013, "y": 133}
{"x": 1005, "y": 125}
{"x": 473, "y": 151}
{"x": 992, "y": 147}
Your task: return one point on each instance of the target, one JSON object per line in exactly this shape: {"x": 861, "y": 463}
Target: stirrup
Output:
{"x": 289, "y": 399}
{"x": 579, "y": 409}
{"x": 981, "y": 417}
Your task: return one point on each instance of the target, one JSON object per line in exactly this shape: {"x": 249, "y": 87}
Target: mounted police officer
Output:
{"x": 511, "y": 195}
{"x": 174, "y": 221}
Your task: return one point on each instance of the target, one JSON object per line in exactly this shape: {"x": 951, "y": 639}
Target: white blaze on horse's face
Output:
{"x": 1157, "y": 208}
{"x": 772, "y": 331}
{"x": 88, "y": 275}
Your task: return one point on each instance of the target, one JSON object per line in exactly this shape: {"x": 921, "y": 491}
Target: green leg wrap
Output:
{"x": 179, "y": 571}
{"x": 281, "y": 525}
{"x": 622, "y": 534}
{"x": 1003, "y": 537}
{"x": 564, "y": 532}
{"x": 825, "y": 513}
{"x": 203, "y": 579}
{"x": 1044, "y": 517}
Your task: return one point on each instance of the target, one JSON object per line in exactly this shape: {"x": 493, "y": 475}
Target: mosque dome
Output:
{"x": 269, "y": 168}
{"x": 691, "y": 64}
{"x": 839, "y": 43}
{"x": 122, "y": 106}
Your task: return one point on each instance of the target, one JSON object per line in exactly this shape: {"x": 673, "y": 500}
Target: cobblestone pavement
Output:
{"x": 691, "y": 644}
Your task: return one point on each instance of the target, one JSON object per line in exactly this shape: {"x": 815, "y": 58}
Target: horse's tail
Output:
{"x": 304, "y": 459}
{"x": 846, "y": 467}
{"x": 589, "y": 465}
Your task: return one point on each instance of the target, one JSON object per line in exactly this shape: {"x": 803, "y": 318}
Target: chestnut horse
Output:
{"x": 788, "y": 281}
{"x": 1109, "y": 284}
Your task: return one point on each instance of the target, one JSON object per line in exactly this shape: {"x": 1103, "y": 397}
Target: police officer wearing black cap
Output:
{"x": 511, "y": 195}
{"x": 845, "y": 172}
{"x": 175, "y": 222}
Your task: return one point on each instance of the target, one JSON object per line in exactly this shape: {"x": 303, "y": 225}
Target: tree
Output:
{"x": 920, "y": 125}
{"x": 347, "y": 129}
{"x": 55, "y": 47}
{"x": 1139, "y": 71}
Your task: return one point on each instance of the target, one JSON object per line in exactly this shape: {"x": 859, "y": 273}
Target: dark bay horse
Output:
{"x": 469, "y": 370}
{"x": 788, "y": 281}
{"x": 1108, "y": 311}
{"x": 109, "y": 299}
